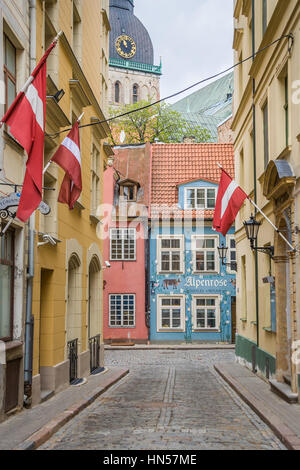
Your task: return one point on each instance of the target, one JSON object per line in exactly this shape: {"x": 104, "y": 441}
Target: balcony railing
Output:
{"x": 128, "y": 64}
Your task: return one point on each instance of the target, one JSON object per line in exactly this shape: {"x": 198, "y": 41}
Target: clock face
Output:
{"x": 125, "y": 46}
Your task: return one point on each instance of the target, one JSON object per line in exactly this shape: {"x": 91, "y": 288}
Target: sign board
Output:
{"x": 13, "y": 201}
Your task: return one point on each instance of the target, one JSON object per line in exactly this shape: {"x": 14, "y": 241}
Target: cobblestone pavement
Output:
{"x": 171, "y": 400}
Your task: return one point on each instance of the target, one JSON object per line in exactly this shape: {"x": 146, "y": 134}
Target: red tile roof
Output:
{"x": 175, "y": 164}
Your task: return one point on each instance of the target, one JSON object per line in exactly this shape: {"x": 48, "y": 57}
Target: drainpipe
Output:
{"x": 254, "y": 176}
{"x": 29, "y": 322}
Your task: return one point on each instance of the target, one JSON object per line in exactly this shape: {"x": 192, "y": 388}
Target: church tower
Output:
{"x": 132, "y": 73}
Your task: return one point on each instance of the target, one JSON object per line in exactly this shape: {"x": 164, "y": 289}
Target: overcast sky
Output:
{"x": 194, "y": 38}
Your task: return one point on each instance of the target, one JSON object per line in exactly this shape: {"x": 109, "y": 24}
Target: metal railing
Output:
{"x": 73, "y": 358}
{"x": 94, "y": 345}
{"x": 157, "y": 69}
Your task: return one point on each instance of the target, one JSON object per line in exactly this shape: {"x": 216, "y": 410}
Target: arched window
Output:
{"x": 117, "y": 92}
{"x": 135, "y": 94}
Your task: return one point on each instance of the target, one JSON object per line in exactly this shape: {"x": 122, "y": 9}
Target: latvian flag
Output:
{"x": 26, "y": 121}
{"x": 69, "y": 159}
{"x": 229, "y": 201}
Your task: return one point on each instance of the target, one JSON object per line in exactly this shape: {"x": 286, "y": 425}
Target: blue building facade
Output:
{"x": 192, "y": 295}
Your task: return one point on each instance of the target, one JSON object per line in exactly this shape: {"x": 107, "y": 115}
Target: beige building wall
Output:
{"x": 276, "y": 72}
{"x": 71, "y": 270}
{"x": 14, "y": 24}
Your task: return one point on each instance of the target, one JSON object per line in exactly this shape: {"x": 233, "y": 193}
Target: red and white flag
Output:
{"x": 229, "y": 201}
{"x": 69, "y": 158}
{"x": 26, "y": 118}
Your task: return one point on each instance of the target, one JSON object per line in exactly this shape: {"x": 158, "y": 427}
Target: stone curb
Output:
{"x": 47, "y": 431}
{"x": 281, "y": 430}
{"x": 172, "y": 348}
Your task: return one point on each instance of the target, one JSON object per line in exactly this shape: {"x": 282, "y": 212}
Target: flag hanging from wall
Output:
{"x": 26, "y": 121}
{"x": 69, "y": 159}
{"x": 229, "y": 201}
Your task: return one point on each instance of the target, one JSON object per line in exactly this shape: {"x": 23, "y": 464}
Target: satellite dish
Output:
{"x": 122, "y": 136}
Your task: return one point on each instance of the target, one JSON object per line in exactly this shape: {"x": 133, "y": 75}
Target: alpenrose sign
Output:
{"x": 198, "y": 282}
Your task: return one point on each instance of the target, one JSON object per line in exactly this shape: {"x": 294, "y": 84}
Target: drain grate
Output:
{"x": 77, "y": 381}
{"x": 98, "y": 370}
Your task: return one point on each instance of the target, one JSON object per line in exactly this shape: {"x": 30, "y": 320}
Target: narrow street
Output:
{"x": 170, "y": 400}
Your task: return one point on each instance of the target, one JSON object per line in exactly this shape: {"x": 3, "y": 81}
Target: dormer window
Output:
{"x": 200, "y": 198}
{"x": 128, "y": 190}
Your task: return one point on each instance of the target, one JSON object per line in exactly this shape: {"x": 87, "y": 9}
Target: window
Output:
{"x": 170, "y": 254}
{"x": 266, "y": 133}
{"x": 205, "y": 254}
{"x": 122, "y": 310}
{"x": 128, "y": 193}
{"x": 231, "y": 253}
{"x": 135, "y": 94}
{"x": 123, "y": 244}
{"x": 200, "y": 198}
{"x": 171, "y": 313}
{"x": 10, "y": 60}
{"x": 206, "y": 313}
{"x": 117, "y": 92}
{"x": 6, "y": 285}
{"x": 95, "y": 176}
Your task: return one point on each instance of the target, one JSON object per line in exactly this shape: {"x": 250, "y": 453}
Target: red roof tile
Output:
{"x": 175, "y": 164}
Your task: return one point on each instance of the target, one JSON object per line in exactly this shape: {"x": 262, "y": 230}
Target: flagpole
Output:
{"x": 47, "y": 166}
{"x": 263, "y": 214}
{"x": 80, "y": 117}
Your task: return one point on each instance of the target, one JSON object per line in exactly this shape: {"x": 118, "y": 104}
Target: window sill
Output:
{"x": 165, "y": 273}
{"x": 268, "y": 329}
{"x": 244, "y": 320}
{"x": 254, "y": 323}
{"x": 122, "y": 327}
{"x": 170, "y": 330}
{"x": 206, "y": 330}
{"x": 206, "y": 273}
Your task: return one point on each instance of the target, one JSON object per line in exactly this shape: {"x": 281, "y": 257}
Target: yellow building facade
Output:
{"x": 68, "y": 284}
{"x": 266, "y": 126}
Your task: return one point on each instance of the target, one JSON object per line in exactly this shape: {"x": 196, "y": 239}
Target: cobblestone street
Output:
{"x": 171, "y": 400}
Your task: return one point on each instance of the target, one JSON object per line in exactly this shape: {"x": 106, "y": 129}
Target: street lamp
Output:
{"x": 223, "y": 255}
{"x": 252, "y": 227}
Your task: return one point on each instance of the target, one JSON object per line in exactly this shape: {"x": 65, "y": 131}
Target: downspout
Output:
{"x": 254, "y": 176}
{"x": 147, "y": 243}
{"x": 29, "y": 322}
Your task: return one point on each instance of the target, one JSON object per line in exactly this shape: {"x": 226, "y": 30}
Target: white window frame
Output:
{"x": 160, "y": 249}
{"x": 194, "y": 316}
{"x": 123, "y": 229}
{"x": 194, "y": 250}
{"x": 122, "y": 309}
{"x": 203, "y": 188}
{"x": 159, "y": 313}
{"x": 228, "y": 238}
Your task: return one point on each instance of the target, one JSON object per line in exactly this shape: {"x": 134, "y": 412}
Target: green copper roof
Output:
{"x": 209, "y": 106}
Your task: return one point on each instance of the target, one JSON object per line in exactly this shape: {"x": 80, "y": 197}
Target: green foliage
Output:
{"x": 158, "y": 122}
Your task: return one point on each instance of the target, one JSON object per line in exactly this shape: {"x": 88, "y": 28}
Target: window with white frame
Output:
{"x": 122, "y": 244}
{"x": 205, "y": 254}
{"x": 231, "y": 253}
{"x": 206, "y": 313}
{"x": 170, "y": 254}
{"x": 122, "y": 310}
{"x": 200, "y": 198}
{"x": 171, "y": 313}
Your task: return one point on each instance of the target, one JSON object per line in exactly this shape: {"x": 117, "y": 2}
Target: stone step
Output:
{"x": 283, "y": 391}
{"x": 287, "y": 379}
{"x": 46, "y": 395}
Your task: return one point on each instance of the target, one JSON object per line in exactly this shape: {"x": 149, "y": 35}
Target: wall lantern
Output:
{"x": 223, "y": 255}
{"x": 252, "y": 227}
